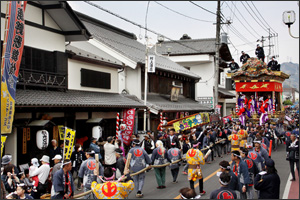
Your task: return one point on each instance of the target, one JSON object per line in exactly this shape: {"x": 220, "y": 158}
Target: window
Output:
{"x": 90, "y": 78}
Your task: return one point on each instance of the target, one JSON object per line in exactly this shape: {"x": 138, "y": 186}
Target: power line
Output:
{"x": 262, "y": 17}
{"x": 201, "y": 20}
{"x": 242, "y": 22}
{"x": 136, "y": 24}
{"x": 254, "y": 17}
{"x": 246, "y": 21}
{"x": 203, "y": 8}
{"x": 240, "y": 35}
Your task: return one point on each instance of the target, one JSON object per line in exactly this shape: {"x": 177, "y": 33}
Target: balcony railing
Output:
{"x": 42, "y": 79}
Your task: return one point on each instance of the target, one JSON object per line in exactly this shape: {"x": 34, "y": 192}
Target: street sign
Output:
{"x": 151, "y": 64}
{"x": 206, "y": 101}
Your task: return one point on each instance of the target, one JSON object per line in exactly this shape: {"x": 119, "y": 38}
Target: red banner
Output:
{"x": 128, "y": 119}
{"x": 258, "y": 86}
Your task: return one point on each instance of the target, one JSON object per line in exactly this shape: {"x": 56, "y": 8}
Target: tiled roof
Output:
{"x": 226, "y": 93}
{"x": 190, "y": 46}
{"x": 73, "y": 98}
{"x": 84, "y": 49}
{"x": 161, "y": 102}
{"x": 130, "y": 47}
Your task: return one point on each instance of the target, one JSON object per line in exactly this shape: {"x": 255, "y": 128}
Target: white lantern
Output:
{"x": 42, "y": 139}
{"x": 123, "y": 127}
{"x": 97, "y": 132}
{"x": 164, "y": 122}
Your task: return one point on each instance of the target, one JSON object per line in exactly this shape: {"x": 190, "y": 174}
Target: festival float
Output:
{"x": 258, "y": 93}
{"x": 186, "y": 123}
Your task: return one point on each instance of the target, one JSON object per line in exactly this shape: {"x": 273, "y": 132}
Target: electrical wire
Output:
{"x": 262, "y": 17}
{"x": 136, "y": 24}
{"x": 238, "y": 33}
{"x": 203, "y": 8}
{"x": 242, "y": 23}
{"x": 201, "y": 20}
{"x": 253, "y": 17}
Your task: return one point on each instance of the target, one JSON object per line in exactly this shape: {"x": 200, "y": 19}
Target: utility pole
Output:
{"x": 218, "y": 28}
{"x": 146, "y": 81}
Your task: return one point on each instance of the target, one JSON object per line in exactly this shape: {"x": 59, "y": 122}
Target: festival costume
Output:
{"x": 194, "y": 158}
{"x": 223, "y": 192}
{"x": 235, "y": 141}
{"x": 252, "y": 106}
{"x": 263, "y": 115}
{"x": 174, "y": 154}
{"x": 243, "y": 134}
{"x": 112, "y": 189}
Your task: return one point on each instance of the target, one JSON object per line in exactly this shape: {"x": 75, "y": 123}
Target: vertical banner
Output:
{"x": 61, "y": 131}
{"x": 68, "y": 142}
{"x": 24, "y": 146}
{"x": 55, "y": 133}
{"x": 3, "y": 140}
{"x": 28, "y": 134}
{"x": 12, "y": 54}
{"x": 151, "y": 64}
{"x": 128, "y": 117}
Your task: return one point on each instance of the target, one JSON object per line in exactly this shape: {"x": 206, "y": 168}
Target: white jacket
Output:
{"x": 110, "y": 154}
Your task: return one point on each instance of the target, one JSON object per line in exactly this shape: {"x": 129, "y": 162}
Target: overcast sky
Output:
{"x": 243, "y": 32}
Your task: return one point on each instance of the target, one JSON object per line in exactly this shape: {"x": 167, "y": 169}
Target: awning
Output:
{"x": 73, "y": 98}
{"x": 226, "y": 94}
{"x": 38, "y": 123}
{"x": 158, "y": 102}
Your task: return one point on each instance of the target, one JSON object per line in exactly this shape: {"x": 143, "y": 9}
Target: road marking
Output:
{"x": 211, "y": 175}
{"x": 287, "y": 187}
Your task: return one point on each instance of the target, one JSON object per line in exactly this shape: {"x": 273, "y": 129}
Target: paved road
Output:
{"x": 210, "y": 179}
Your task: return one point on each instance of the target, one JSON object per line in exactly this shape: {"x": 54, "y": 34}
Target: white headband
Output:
{"x": 196, "y": 197}
{"x": 223, "y": 182}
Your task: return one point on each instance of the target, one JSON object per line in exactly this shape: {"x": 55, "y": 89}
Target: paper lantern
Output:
{"x": 97, "y": 132}
{"x": 42, "y": 139}
{"x": 123, "y": 127}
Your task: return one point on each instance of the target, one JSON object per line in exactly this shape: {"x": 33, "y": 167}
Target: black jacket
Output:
{"x": 273, "y": 65}
{"x": 120, "y": 164}
{"x": 268, "y": 185}
{"x": 174, "y": 140}
{"x": 293, "y": 150}
{"x": 259, "y": 52}
{"x": 233, "y": 66}
{"x": 244, "y": 58}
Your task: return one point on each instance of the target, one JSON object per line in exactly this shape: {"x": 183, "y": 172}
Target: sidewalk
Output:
{"x": 292, "y": 188}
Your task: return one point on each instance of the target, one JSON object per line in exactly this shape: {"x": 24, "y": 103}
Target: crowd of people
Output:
{"x": 122, "y": 169}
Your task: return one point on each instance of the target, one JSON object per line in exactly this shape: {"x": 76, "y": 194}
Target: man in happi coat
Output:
{"x": 252, "y": 105}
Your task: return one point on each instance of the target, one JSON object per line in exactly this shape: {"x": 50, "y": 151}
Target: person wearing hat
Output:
{"x": 54, "y": 150}
{"x": 273, "y": 64}
{"x": 255, "y": 156}
{"x": 244, "y": 57}
{"x": 110, "y": 188}
{"x": 148, "y": 144}
{"x": 268, "y": 182}
{"x": 63, "y": 184}
{"x": 57, "y": 164}
{"x": 240, "y": 169}
{"x": 225, "y": 167}
{"x": 6, "y": 161}
{"x": 35, "y": 179}
{"x": 95, "y": 147}
{"x": 195, "y": 158}
{"x": 252, "y": 170}
{"x": 233, "y": 66}
{"x": 224, "y": 192}
{"x": 259, "y": 52}
{"x": 86, "y": 171}
{"x": 42, "y": 172}
{"x": 139, "y": 159}
{"x": 173, "y": 155}
{"x": 292, "y": 147}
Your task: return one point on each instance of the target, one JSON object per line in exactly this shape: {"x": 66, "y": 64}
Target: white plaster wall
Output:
{"x": 11, "y": 145}
{"x": 35, "y": 37}
{"x": 74, "y": 76}
{"x": 133, "y": 81}
{"x": 122, "y": 81}
{"x": 49, "y": 22}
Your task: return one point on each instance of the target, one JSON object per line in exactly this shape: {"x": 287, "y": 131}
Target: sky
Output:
{"x": 243, "y": 31}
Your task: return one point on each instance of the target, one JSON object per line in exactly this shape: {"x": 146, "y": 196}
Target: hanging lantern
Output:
{"x": 97, "y": 132}
{"x": 164, "y": 122}
{"x": 42, "y": 139}
{"x": 123, "y": 127}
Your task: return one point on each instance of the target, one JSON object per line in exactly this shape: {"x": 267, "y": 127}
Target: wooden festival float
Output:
{"x": 254, "y": 78}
